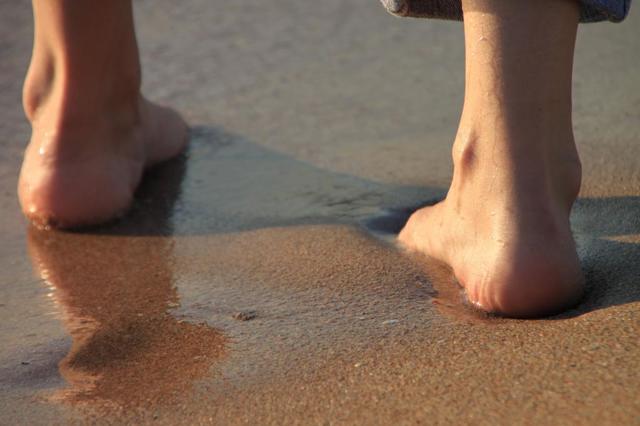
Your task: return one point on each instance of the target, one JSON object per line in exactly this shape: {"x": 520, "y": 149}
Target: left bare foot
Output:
{"x": 77, "y": 174}
{"x": 93, "y": 133}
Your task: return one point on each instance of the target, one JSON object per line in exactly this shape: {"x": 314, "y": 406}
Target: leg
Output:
{"x": 504, "y": 225}
{"x": 92, "y": 132}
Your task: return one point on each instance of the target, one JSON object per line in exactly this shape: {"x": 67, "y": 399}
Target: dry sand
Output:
{"x": 255, "y": 280}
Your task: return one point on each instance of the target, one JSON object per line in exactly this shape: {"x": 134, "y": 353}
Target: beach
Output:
{"x": 256, "y": 278}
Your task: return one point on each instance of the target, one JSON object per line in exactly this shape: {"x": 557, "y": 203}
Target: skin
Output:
{"x": 93, "y": 133}
{"x": 504, "y": 226}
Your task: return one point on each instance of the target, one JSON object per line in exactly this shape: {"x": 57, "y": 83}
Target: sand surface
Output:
{"x": 255, "y": 279}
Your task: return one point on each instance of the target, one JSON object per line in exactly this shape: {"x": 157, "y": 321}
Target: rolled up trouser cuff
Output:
{"x": 590, "y": 10}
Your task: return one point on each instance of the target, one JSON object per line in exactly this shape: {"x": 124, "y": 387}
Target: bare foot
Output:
{"x": 506, "y": 237}
{"x": 84, "y": 173}
{"x": 504, "y": 226}
{"x": 93, "y": 134}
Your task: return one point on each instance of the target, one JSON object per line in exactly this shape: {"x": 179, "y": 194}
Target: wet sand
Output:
{"x": 256, "y": 280}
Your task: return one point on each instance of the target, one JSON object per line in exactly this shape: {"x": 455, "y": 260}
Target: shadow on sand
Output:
{"x": 227, "y": 184}
{"x": 114, "y": 285}
{"x": 123, "y": 334}
{"x": 607, "y": 232}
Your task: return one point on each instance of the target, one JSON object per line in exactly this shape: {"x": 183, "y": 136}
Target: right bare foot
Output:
{"x": 93, "y": 134}
{"x": 504, "y": 231}
{"x": 504, "y": 226}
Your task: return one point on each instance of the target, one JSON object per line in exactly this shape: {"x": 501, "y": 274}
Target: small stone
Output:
{"x": 390, "y": 322}
{"x": 394, "y": 6}
{"x": 244, "y": 315}
{"x": 25, "y": 363}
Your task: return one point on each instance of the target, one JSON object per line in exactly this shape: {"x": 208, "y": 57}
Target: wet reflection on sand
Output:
{"x": 114, "y": 293}
{"x": 114, "y": 297}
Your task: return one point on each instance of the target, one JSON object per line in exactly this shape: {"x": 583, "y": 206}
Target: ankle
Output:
{"x": 56, "y": 94}
{"x": 67, "y": 112}
{"x": 510, "y": 160}
{"x": 75, "y": 87}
